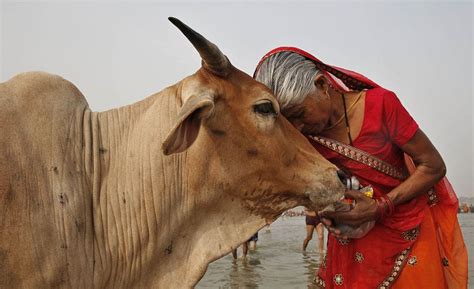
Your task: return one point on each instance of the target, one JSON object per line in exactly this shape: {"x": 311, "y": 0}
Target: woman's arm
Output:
{"x": 429, "y": 170}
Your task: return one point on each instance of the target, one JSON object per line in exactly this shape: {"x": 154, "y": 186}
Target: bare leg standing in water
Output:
{"x": 309, "y": 236}
{"x": 320, "y": 231}
{"x": 312, "y": 222}
{"x": 245, "y": 250}
{"x": 245, "y": 246}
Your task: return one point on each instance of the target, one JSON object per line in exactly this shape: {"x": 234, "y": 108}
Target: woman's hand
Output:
{"x": 347, "y": 232}
{"x": 332, "y": 229}
{"x": 364, "y": 210}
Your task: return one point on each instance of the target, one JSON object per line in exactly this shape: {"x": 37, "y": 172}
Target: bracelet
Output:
{"x": 379, "y": 215}
{"x": 389, "y": 204}
{"x": 385, "y": 207}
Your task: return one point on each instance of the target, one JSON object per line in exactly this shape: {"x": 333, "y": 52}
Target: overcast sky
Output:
{"x": 117, "y": 54}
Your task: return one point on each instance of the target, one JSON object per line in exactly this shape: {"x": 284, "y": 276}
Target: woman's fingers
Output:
{"x": 349, "y": 218}
{"x": 329, "y": 226}
{"x": 364, "y": 210}
{"x": 354, "y": 195}
{"x": 326, "y": 222}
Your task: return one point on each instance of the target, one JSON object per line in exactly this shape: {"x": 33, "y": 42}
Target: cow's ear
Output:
{"x": 186, "y": 127}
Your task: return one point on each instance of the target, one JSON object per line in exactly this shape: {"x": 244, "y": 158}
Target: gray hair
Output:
{"x": 289, "y": 76}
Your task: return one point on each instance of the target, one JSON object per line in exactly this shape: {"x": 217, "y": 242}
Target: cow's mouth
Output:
{"x": 325, "y": 201}
{"x": 338, "y": 206}
{"x": 328, "y": 196}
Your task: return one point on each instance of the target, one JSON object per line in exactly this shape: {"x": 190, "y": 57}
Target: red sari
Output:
{"x": 421, "y": 244}
{"x": 376, "y": 260}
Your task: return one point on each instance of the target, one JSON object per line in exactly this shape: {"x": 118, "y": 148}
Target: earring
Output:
{"x": 327, "y": 94}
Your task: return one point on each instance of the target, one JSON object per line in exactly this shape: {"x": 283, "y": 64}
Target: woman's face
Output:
{"x": 312, "y": 115}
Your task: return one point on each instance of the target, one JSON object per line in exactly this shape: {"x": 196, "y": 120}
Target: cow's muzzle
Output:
{"x": 326, "y": 195}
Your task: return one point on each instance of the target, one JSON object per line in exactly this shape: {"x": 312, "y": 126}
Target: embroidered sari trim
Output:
{"x": 361, "y": 157}
{"x": 400, "y": 262}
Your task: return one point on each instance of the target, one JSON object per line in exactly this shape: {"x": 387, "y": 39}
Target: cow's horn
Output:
{"x": 213, "y": 59}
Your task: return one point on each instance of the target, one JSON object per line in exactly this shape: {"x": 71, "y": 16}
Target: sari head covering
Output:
{"x": 341, "y": 78}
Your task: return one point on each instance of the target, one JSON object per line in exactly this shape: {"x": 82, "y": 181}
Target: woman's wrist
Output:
{"x": 385, "y": 207}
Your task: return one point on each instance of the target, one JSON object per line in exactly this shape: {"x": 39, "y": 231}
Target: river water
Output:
{"x": 278, "y": 261}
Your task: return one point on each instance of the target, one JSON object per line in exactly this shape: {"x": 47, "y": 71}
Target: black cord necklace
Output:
{"x": 348, "y": 128}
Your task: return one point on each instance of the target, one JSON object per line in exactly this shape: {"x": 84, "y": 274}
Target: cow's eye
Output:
{"x": 265, "y": 108}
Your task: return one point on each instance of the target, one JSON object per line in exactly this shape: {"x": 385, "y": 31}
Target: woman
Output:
{"x": 313, "y": 222}
{"x": 364, "y": 129}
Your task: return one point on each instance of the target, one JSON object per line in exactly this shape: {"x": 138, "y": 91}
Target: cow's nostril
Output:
{"x": 343, "y": 176}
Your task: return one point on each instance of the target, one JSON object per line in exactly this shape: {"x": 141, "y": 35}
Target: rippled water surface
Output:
{"x": 279, "y": 263}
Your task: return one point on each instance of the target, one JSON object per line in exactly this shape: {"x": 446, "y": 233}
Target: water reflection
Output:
{"x": 244, "y": 273}
{"x": 279, "y": 263}
{"x": 312, "y": 261}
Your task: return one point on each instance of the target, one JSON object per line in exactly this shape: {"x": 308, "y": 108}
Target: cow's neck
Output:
{"x": 155, "y": 219}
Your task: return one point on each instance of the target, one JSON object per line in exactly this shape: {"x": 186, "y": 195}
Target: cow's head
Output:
{"x": 232, "y": 124}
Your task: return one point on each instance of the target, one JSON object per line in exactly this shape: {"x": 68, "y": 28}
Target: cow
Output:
{"x": 146, "y": 195}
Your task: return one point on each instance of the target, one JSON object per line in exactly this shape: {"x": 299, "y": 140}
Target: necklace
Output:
{"x": 346, "y": 111}
{"x": 348, "y": 128}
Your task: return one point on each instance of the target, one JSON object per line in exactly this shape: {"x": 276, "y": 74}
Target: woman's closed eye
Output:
{"x": 296, "y": 114}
